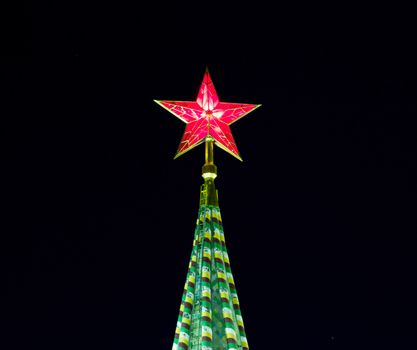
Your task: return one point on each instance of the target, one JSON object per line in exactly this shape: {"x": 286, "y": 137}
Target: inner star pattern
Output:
{"x": 206, "y": 117}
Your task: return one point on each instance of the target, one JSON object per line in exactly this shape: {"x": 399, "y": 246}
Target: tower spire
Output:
{"x": 210, "y": 316}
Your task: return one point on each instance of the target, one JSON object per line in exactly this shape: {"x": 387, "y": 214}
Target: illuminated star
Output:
{"x": 206, "y": 117}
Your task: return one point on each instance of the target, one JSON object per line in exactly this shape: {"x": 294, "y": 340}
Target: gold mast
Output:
{"x": 208, "y": 195}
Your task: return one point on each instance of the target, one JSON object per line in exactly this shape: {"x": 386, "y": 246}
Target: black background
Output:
{"x": 319, "y": 218}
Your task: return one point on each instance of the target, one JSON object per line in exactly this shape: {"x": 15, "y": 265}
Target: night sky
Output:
{"x": 319, "y": 218}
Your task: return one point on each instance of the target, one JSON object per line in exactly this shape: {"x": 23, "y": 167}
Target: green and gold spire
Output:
{"x": 210, "y": 317}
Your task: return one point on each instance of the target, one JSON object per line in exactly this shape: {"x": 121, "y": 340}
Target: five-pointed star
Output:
{"x": 206, "y": 117}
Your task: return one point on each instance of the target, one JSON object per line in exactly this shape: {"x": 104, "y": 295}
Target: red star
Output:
{"x": 207, "y": 116}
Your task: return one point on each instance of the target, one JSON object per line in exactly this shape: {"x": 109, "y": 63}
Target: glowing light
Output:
{"x": 207, "y": 116}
